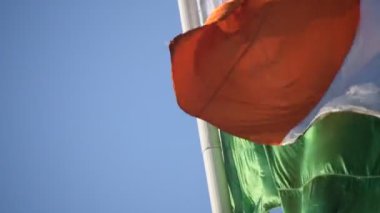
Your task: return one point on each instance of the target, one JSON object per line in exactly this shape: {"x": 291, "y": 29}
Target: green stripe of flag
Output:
{"x": 333, "y": 167}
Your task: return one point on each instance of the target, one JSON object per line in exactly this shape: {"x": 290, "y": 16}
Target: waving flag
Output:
{"x": 305, "y": 74}
{"x": 266, "y": 70}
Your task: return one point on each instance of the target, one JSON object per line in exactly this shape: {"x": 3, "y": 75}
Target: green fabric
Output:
{"x": 333, "y": 167}
{"x": 250, "y": 179}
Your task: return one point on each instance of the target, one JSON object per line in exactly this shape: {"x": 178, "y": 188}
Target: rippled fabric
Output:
{"x": 333, "y": 167}
{"x": 258, "y": 67}
{"x": 249, "y": 175}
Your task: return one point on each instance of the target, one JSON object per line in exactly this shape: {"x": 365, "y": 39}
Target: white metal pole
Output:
{"x": 214, "y": 166}
{"x": 188, "y": 11}
{"x": 191, "y": 16}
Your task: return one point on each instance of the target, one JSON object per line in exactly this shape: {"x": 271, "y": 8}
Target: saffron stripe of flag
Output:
{"x": 266, "y": 70}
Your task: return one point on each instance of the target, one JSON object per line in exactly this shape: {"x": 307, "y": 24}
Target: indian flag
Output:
{"x": 305, "y": 74}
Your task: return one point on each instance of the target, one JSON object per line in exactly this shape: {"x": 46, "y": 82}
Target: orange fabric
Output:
{"x": 258, "y": 67}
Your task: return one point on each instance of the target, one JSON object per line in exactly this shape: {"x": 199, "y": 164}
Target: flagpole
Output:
{"x": 214, "y": 167}
{"x": 191, "y": 14}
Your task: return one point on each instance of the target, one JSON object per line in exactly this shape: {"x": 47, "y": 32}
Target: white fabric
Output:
{"x": 357, "y": 85}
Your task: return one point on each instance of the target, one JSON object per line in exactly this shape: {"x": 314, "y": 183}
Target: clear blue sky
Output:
{"x": 88, "y": 118}
{"x": 89, "y": 122}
